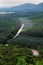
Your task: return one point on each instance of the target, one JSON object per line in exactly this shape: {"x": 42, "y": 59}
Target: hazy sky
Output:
{"x": 17, "y": 2}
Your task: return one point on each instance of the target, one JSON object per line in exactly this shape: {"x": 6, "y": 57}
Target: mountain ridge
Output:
{"x": 27, "y": 7}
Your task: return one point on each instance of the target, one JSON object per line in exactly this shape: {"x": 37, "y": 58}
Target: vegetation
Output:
{"x": 17, "y": 55}
{"x": 18, "y": 51}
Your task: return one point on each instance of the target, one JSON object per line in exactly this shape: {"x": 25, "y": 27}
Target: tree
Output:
{"x": 21, "y": 61}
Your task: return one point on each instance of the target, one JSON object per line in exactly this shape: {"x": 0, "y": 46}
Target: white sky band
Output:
{"x": 7, "y": 3}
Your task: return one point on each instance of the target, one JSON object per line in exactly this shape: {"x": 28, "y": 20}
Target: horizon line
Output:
{"x": 7, "y": 6}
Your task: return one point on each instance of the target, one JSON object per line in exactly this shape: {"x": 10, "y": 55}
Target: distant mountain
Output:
{"x": 24, "y": 7}
{"x": 39, "y": 7}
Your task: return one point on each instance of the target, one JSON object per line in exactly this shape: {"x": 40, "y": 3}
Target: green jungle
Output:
{"x": 19, "y": 50}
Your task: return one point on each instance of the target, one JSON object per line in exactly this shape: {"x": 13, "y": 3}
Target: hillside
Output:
{"x": 14, "y": 55}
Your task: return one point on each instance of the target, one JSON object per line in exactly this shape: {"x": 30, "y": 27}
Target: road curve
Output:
{"x": 19, "y": 31}
{"x": 35, "y": 52}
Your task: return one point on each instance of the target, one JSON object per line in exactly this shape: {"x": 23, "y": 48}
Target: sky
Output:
{"x": 7, "y": 3}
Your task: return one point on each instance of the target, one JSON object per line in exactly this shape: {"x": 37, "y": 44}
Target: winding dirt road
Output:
{"x": 35, "y": 52}
{"x": 19, "y": 31}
